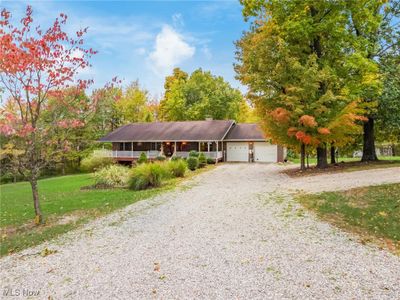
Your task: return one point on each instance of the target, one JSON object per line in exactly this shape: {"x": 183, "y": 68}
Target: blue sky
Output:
{"x": 145, "y": 40}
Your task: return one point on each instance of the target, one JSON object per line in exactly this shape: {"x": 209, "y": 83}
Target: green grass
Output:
{"x": 61, "y": 197}
{"x": 372, "y": 212}
{"x": 313, "y": 160}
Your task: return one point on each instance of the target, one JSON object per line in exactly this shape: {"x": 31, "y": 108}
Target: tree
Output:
{"x": 247, "y": 113}
{"x": 198, "y": 97}
{"x": 388, "y": 111}
{"x": 105, "y": 118}
{"x": 133, "y": 105}
{"x": 297, "y": 71}
{"x": 375, "y": 32}
{"x": 35, "y": 65}
{"x": 70, "y": 104}
{"x": 177, "y": 76}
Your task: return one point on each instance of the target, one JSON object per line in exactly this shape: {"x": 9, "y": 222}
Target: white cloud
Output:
{"x": 206, "y": 52}
{"x": 170, "y": 50}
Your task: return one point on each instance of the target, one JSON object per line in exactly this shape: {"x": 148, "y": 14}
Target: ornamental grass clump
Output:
{"x": 146, "y": 176}
{"x": 95, "y": 162}
{"x": 111, "y": 176}
{"x": 177, "y": 168}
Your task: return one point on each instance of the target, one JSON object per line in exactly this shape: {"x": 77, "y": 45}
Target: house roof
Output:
{"x": 213, "y": 130}
{"x": 245, "y": 132}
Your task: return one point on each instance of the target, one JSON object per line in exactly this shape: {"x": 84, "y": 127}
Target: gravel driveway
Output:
{"x": 231, "y": 233}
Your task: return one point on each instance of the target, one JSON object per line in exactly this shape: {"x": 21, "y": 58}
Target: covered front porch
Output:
{"x": 132, "y": 150}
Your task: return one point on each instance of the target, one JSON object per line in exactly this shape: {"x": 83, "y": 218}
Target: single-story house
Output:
{"x": 222, "y": 140}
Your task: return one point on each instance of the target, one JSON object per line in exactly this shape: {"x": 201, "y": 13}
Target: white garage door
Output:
{"x": 265, "y": 152}
{"x": 237, "y": 151}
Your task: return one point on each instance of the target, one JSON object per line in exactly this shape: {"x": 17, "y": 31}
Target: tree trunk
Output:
{"x": 322, "y": 160}
{"x": 302, "y": 157}
{"x": 393, "y": 150}
{"x": 369, "y": 153}
{"x": 36, "y": 204}
{"x": 63, "y": 166}
{"x": 333, "y": 156}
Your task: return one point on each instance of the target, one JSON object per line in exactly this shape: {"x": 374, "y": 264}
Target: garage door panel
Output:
{"x": 265, "y": 152}
{"x": 238, "y": 152}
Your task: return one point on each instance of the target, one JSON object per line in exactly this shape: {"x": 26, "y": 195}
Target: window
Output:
{"x": 155, "y": 146}
{"x": 128, "y": 146}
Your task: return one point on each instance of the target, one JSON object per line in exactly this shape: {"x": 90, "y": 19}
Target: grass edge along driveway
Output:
{"x": 372, "y": 212}
{"x": 65, "y": 206}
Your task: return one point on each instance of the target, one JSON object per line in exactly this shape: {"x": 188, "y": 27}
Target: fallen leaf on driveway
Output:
{"x": 156, "y": 267}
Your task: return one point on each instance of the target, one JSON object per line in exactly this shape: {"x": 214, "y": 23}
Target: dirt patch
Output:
{"x": 341, "y": 167}
{"x": 50, "y": 221}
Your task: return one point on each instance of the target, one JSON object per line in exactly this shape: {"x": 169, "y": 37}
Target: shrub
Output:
{"x": 111, "y": 176}
{"x": 202, "y": 160}
{"x": 193, "y": 154}
{"x": 142, "y": 158}
{"x": 175, "y": 158}
{"x": 95, "y": 162}
{"x": 161, "y": 158}
{"x": 210, "y": 161}
{"x": 177, "y": 168}
{"x": 192, "y": 163}
{"x": 147, "y": 176}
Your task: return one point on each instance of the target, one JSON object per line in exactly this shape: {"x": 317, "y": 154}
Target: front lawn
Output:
{"x": 371, "y": 212}
{"x": 65, "y": 206}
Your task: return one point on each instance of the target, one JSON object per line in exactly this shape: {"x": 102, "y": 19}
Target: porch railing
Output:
{"x": 211, "y": 154}
{"x": 126, "y": 153}
{"x": 150, "y": 154}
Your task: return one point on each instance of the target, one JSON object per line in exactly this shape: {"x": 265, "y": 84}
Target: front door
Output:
{"x": 168, "y": 149}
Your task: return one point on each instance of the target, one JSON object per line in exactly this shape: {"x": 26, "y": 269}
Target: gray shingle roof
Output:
{"x": 245, "y": 132}
{"x": 213, "y": 130}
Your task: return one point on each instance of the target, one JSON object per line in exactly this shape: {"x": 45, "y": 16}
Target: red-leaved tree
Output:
{"x": 35, "y": 66}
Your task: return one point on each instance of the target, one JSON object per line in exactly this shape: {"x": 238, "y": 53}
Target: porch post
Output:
{"x": 208, "y": 146}
{"x": 162, "y": 149}
{"x": 132, "y": 149}
{"x": 174, "y": 149}
{"x": 199, "y": 146}
{"x": 216, "y": 157}
{"x": 222, "y": 150}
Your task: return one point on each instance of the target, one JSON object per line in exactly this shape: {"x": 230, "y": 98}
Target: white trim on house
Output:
{"x": 159, "y": 141}
{"x": 229, "y": 129}
{"x": 246, "y": 140}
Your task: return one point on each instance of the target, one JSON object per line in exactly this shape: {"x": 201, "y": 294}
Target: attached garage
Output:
{"x": 265, "y": 152}
{"x": 237, "y": 151}
{"x": 246, "y": 143}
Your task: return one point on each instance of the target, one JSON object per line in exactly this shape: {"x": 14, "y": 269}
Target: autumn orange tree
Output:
{"x": 37, "y": 65}
{"x": 299, "y": 73}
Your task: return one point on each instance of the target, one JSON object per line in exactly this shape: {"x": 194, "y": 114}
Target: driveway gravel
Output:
{"x": 231, "y": 233}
